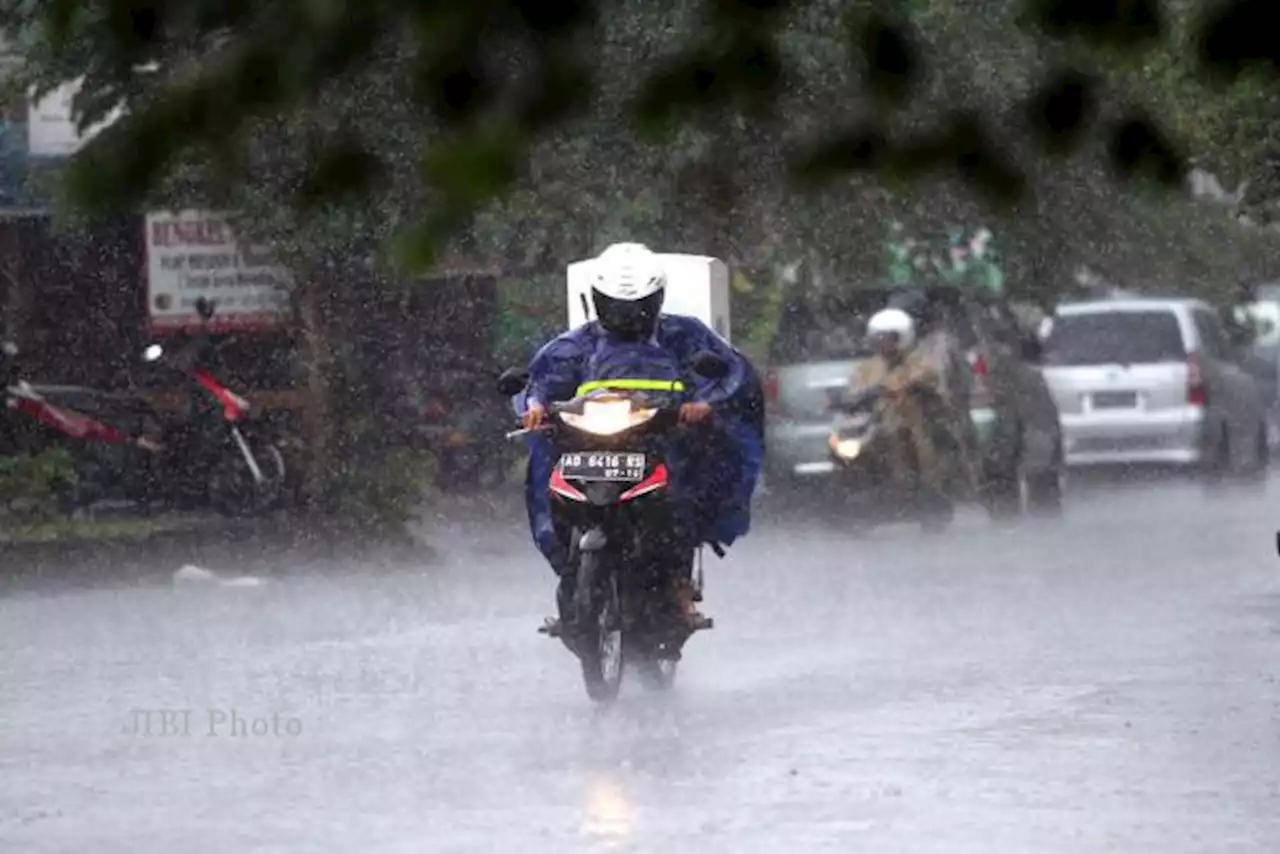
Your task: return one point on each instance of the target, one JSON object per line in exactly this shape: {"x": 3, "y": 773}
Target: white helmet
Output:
{"x": 628, "y": 285}
{"x": 893, "y": 321}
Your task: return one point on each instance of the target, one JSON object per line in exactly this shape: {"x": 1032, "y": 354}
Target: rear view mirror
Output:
{"x": 204, "y": 308}
{"x": 512, "y": 381}
{"x": 709, "y": 365}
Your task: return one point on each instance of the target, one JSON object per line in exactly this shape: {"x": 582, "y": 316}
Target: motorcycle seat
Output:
{"x": 125, "y": 410}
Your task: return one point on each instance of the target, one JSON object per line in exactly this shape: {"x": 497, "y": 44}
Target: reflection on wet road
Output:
{"x": 1106, "y": 682}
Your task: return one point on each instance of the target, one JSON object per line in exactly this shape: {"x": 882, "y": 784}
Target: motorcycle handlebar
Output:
{"x": 667, "y": 416}
{"x": 858, "y": 399}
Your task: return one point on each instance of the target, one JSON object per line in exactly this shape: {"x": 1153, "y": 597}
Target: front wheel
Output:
{"x": 598, "y": 619}
{"x": 233, "y": 489}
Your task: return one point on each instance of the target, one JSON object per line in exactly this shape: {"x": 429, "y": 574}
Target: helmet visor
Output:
{"x": 629, "y": 319}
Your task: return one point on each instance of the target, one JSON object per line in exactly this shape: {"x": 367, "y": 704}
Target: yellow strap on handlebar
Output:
{"x": 630, "y": 385}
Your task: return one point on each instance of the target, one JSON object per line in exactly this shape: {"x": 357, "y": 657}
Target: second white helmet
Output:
{"x": 893, "y": 321}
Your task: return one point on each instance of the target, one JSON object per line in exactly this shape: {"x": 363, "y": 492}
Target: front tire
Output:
{"x": 598, "y": 626}
{"x": 234, "y": 492}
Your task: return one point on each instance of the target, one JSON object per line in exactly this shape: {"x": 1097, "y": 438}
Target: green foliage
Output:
{"x": 533, "y": 133}
{"x": 31, "y": 483}
{"x": 493, "y": 83}
{"x": 382, "y": 499}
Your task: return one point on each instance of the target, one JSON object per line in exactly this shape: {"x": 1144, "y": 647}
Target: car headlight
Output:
{"x": 607, "y": 417}
{"x": 846, "y": 449}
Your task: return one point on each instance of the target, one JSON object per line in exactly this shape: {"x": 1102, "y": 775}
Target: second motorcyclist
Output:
{"x": 911, "y": 401}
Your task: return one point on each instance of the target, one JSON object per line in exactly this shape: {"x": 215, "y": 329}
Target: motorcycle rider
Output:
{"x": 912, "y": 388}
{"x": 714, "y": 465}
{"x": 935, "y": 343}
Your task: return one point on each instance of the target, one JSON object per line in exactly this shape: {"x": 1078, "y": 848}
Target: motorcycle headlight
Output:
{"x": 607, "y": 417}
{"x": 846, "y": 449}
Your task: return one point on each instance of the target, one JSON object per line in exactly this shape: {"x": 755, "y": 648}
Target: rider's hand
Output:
{"x": 693, "y": 413}
{"x": 533, "y": 416}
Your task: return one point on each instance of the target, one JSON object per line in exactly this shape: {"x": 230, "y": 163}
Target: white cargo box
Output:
{"x": 697, "y": 286}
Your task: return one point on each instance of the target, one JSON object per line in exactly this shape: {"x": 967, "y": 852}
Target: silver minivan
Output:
{"x": 1152, "y": 380}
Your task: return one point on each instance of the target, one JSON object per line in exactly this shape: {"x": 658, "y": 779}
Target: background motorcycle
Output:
{"x": 609, "y": 487}
{"x": 122, "y": 448}
{"x": 100, "y": 430}
{"x": 213, "y": 450}
{"x": 861, "y": 447}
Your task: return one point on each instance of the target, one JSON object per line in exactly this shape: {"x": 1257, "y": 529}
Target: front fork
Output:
{"x": 247, "y": 453}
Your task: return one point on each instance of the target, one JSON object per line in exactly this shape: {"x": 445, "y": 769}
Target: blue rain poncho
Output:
{"x": 714, "y": 468}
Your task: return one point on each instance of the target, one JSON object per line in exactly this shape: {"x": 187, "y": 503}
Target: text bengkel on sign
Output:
{"x": 197, "y": 232}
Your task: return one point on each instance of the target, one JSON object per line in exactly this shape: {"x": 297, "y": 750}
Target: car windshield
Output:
{"x": 1115, "y": 337}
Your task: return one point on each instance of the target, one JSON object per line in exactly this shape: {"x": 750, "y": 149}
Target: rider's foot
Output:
{"x": 687, "y": 609}
{"x": 551, "y": 626}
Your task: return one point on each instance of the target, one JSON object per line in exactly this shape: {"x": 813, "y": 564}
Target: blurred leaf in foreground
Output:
{"x": 495, "y": 83}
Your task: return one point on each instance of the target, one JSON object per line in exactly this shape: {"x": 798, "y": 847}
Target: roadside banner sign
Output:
{"x": 193, "y": 254}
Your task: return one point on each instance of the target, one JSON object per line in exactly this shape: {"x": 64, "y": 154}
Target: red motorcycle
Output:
{"x": 610, "y": 488}
{"x": 210, "y": 455}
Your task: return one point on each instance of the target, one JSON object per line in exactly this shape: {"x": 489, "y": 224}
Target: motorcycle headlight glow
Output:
{"x": 607, "y": 417}
{"x": 846, "y": 449}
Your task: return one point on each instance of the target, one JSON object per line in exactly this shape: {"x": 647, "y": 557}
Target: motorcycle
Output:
{"x": 237, "y": 466}
{"x": 106, "y": 429}
{"x": 609, "y": 486}
{"x": 124, "y": 448}
{"x": 861, "y": 447}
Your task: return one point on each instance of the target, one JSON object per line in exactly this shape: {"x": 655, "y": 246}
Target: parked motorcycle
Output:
{"x": 104, "y": 428}
{"x": 237, "y": 465}
{"x": 609, "y": 487}
{"x": 124, "y": 448}
{"x": 861, "y": 448}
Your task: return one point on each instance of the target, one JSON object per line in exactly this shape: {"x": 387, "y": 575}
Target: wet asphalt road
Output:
{"x": 1102, "y": 683}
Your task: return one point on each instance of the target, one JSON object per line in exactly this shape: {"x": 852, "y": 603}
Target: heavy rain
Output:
{"x": 602, "y": 427}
